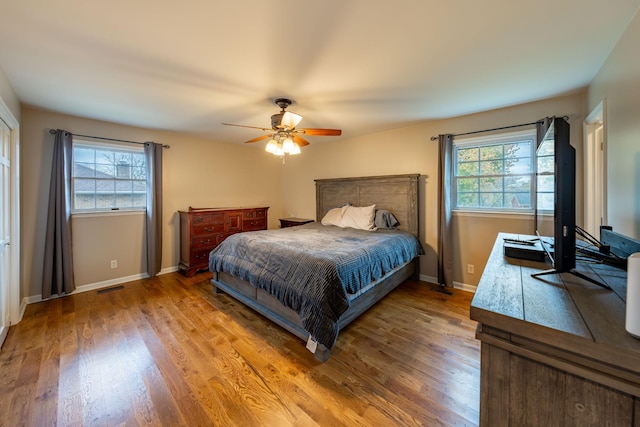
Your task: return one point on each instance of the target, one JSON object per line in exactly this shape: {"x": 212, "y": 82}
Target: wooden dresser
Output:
{"x": 201, "y": 230}
{"x": 554, "y": 352}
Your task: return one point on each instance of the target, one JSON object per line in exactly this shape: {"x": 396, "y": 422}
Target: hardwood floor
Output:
{"x": 167, "y": 351}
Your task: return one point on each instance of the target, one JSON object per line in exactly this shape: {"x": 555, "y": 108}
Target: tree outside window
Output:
{"x": 494, "y": 173}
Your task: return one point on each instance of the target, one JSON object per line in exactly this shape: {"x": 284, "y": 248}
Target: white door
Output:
{"x": 5, "y": 231}
{"x": 594, "y": 171}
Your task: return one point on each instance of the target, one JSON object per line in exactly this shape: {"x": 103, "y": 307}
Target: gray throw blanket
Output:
{"x": 312, "y": 268}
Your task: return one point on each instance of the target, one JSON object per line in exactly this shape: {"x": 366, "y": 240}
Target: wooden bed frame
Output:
{"x": 396, "y": 193}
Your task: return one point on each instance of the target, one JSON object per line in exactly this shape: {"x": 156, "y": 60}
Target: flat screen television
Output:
{"x": 556, "y": 193}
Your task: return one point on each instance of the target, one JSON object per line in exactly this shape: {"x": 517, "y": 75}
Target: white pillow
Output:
{"x": 361, "y": 218}
{"x": 334, "y": 216}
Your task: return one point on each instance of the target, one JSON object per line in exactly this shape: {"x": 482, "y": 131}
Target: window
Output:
{"x": 108, "y": 177}
{"x": 494, "y": 173}
{"x": 546, "y": 178}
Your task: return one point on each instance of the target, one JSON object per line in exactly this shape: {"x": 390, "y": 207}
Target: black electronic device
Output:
{"x": 556, "y": 192}
{"x": 531, "y": 250}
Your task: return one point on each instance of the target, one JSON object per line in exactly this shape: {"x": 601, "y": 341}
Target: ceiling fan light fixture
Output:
{"x": 295, "y": 150}
{"x": 287, "y": 144}
{"x": 271, "y": 147}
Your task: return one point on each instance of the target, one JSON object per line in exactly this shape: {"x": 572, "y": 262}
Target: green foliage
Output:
{"x": 494, "y": 176}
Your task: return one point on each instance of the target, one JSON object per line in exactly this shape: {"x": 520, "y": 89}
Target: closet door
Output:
{"x": 5, "y": 232}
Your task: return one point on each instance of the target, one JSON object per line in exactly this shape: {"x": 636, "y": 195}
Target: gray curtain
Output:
{"x": 153, "y": 155}
{"x": 445, "y": 248}
{"x": 57, "y": 275}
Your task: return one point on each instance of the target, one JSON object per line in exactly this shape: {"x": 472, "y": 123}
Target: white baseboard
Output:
{"x": 3, "y": 334}
{"x": 428, "y": 279}
{"x": 23, "y": 307}
{"x": 89, "y": 287}
{"x": 168, "y": 270}
{"x": 465, "y": 287}
{"x": 94, "y": 286}
{"x": 456, "y": 285}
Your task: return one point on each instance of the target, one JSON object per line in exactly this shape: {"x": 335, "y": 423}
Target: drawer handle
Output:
{"x": 201, "y": 256}
{"x": 205, "y": 242}
{"x": 209, "y": 229}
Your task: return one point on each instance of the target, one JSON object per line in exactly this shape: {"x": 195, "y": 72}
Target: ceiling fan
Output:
{"x": 285, "y": 137}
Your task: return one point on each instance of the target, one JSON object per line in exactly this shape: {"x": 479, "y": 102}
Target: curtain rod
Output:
{"x": 53, "y": 132}
{"x": 435, "y": 138}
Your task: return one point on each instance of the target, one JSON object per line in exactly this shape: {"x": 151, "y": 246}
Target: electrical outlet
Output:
{"x": 470, "y": 268}
{"x": 114, "y": 263}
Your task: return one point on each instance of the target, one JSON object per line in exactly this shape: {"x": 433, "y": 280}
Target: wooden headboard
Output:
{"x": 395, "y": 193}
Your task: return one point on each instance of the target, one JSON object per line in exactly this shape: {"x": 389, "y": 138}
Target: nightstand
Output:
{"x": 292, "y": 222}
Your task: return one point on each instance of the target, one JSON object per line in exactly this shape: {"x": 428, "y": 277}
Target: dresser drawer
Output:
{"x": 200, "y": 257}
{"x": 255, "y": 213}
{"x": 200, "y": 230}
{"x": 207, "y": 218}
{"x": 254, "y": 224}
{"x": 204, "y": 242}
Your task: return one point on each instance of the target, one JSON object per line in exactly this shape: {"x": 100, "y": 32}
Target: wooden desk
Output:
{"x": 554, "y": 352}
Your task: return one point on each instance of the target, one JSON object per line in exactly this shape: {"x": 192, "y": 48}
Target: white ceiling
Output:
{"x": 358, "y": 65}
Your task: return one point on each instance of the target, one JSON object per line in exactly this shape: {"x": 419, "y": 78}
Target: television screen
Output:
{"x": 555, "y": 195}
{"x": 555, "y": 216}
{"x": 545, "y": 184}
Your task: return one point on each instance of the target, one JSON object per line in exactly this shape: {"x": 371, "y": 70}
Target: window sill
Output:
{"x": 94, "y": 214}
{"x": 492, "y": 214}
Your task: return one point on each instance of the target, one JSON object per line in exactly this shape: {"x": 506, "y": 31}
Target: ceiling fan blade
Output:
{"x": 299, "y": 140}
{"x": 320, "y": 132}
{"x": 250, "y": 127}
{"x": 260, "y": 138}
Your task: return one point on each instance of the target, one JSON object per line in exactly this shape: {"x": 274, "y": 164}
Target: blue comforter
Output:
{"x": 313, "y": 268}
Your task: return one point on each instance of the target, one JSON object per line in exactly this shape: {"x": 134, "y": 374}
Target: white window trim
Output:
{"x": 494, "y": 138}
{"x": 97, "y": 213}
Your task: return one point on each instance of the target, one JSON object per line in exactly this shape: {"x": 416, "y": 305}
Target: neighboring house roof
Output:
{"x": 82, "y": 171}
{"x": 91, "y": 185}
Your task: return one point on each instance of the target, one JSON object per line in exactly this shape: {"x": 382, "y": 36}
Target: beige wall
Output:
{"x": 410, "y": 150}
{"x": 197, "y": 172}
{"x": 619, "y": 83}
{"x": 98, "y": 239}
